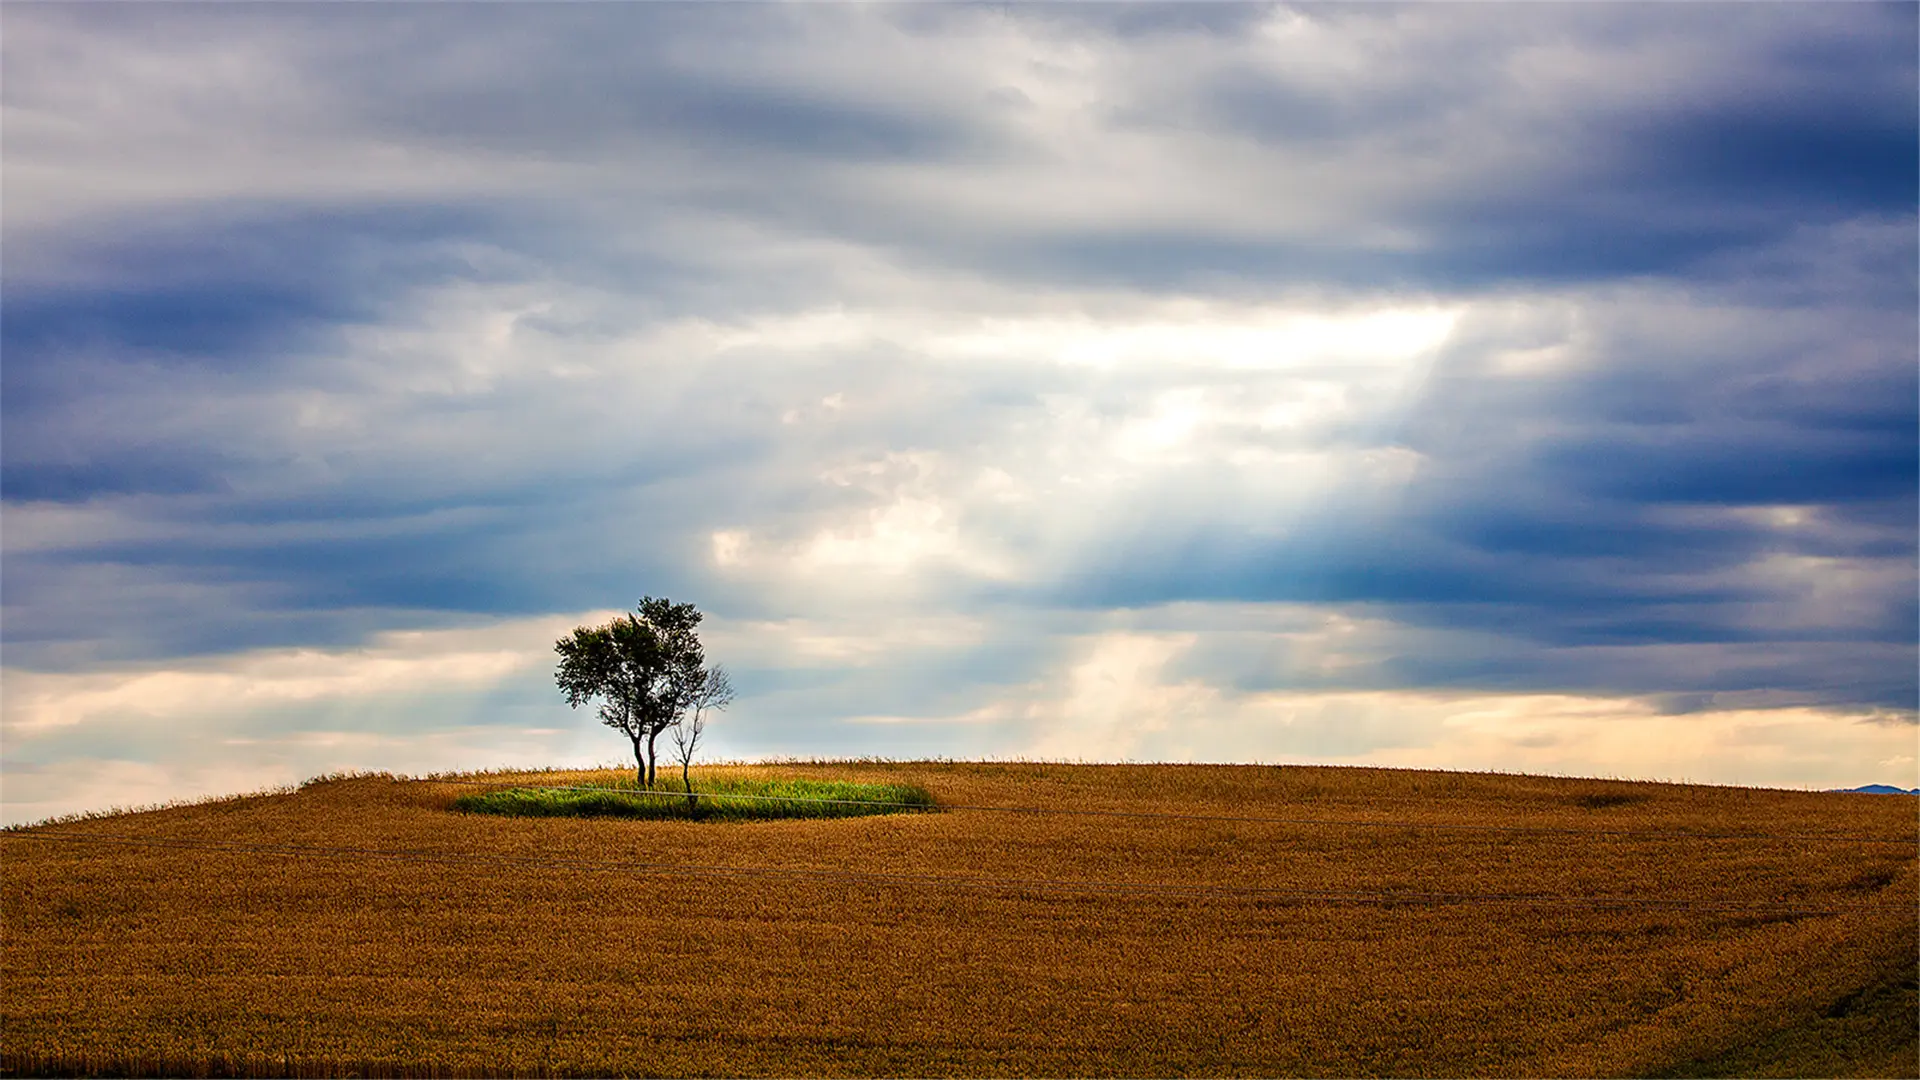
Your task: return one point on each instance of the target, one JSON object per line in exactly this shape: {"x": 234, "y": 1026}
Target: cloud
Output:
{"x": 1312, "y": 146}
{"x": 1240, "y": 465}
{"x": 1546, "y": 351}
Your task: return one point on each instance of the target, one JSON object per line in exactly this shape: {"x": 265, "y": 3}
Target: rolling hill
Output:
{"x": 1050, "y": 920}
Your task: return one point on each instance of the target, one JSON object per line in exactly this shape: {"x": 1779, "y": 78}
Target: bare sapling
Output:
{"x": 712, "y": 692}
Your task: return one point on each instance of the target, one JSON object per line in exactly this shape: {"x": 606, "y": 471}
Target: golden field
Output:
{"x": 1499, "y": 925}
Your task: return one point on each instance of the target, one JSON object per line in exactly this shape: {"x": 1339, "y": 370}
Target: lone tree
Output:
{"x": 715, "y": 693}
{"x": 646, "y": 669}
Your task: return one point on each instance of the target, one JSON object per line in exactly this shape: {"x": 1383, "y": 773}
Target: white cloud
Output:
{"x": 394, "y": 663}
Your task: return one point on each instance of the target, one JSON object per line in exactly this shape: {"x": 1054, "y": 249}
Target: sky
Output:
{"x": 1528, "y": 388}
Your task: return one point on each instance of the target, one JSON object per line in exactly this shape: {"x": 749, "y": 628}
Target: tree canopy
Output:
{"x": 646, "y": 669}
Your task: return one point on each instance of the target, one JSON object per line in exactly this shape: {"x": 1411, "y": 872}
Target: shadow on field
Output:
{"x": 1871, "y": 1031}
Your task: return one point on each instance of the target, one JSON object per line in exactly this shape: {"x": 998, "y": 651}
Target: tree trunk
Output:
{"x": 686, "y": 777}
{"x": 652, "y": 755}
{"x": 640, "y": 764}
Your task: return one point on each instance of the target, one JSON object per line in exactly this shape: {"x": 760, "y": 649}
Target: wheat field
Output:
{"x": 1351, "y": 922}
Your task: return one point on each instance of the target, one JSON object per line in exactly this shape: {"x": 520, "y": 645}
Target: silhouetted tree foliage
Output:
{"x": 646, "y": 669}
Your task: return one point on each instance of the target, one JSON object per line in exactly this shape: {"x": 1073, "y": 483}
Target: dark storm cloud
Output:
{"x": 140, "y": 471}
{"x": 1729, "y": 469}
{"x": 1833, "y": 160}
{"x": 98, "y": 371}
{"x": 247, "y": 293}
{"x": 1784, "y": 123}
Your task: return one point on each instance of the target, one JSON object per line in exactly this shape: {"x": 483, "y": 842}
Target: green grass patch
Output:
{"x": 712, "y": 800}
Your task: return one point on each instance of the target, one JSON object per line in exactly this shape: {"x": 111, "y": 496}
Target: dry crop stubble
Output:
{"x": 574, "y": 960}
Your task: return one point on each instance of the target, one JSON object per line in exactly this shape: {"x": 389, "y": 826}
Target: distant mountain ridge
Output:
{"x": 1877, "y": 789}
